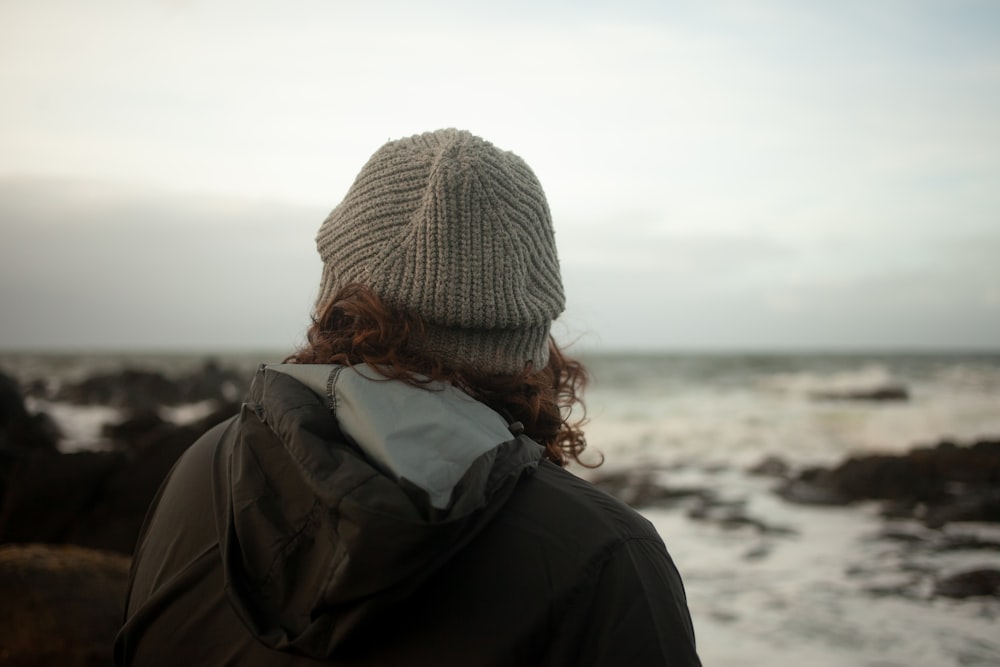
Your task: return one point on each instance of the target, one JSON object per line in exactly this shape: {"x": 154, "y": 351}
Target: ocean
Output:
{"x": 815, "y": 593}
{"x": 830, "y": 586}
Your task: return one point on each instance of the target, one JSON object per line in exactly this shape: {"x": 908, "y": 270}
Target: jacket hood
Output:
{"x": 342, "y": 492}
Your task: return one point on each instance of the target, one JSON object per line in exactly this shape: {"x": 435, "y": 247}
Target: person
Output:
{"x": 395, "y": 492}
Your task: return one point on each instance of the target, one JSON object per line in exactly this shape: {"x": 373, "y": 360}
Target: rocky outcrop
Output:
{"x": 139, "y": 390}
{"x": 889, "y": 392}
{"x": 641, "y": 488}
{"x": 20, "y": 429}
{"x": 648, "y": 487}
{"x": 936, "y": 485}
{"x": 61, "y": 605}
{"x": 90, "y": 498}
{"x": 93, "y": 499}
{"x": 980, "y": 582}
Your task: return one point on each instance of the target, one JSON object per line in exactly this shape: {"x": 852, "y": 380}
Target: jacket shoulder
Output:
{"x": 572, "y": 514}
{"x": 613, "y": 566}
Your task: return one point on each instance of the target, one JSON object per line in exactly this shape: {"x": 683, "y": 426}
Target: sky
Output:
{"x": 722, "y": 175}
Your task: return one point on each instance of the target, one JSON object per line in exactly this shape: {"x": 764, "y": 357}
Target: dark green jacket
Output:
{"x": 344, "y": 519}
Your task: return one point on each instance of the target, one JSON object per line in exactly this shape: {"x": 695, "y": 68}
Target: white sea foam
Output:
{"x": 188, "y": 413}
{"x": 80, "y": 425}
{"x": 736, "y": 415}
{"x": 790, "y": 600}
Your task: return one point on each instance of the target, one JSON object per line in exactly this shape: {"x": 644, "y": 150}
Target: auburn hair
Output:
{"x": 357, "y": 327}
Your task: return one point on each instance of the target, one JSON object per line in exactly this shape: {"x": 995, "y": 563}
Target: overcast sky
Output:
{"x": 722, "y": 175}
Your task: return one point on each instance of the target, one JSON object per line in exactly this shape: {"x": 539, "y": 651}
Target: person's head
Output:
{"x": 440, "y": 263}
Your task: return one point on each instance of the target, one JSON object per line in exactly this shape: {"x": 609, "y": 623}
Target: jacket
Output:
{"x": 345, "y": 519}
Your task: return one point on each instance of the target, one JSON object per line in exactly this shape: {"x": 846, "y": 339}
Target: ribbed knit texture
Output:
{"x": 451, "y": 228}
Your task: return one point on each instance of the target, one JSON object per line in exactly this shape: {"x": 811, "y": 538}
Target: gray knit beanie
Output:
{"x": 449, "y": 227}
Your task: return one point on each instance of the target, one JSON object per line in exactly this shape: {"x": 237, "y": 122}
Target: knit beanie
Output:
{"x": 449, "y": 227}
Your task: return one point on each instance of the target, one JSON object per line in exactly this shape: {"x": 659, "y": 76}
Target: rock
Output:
{"x": 812, "y": 487}
{"x": 978, "y": 503}
{"x": 914, "y": 561}
{"x": 901, "y": 508}
{"x": 61, "y": 605}
{"x": 93, "y": 499}
{"x": 966, "y": 542}
{"x": 134, "y": 428}
{"x": 113, "y": 518}
{"x": 212, "y": 382}
{"x": 141, "y": 391}
{"x": 99, "y": 499}
{"x": 48, "y": 493}
{"x": 758, "y": 552}
{"x": 148, "y": 429}
{"x": 131, "y": 389}
{"x": 21, "y": 433}
{"x": 889, "y": 477}
{"x": 883, "y": 393}
{"x": 902, "y": 584}
{"x": 912, "y": 535}
{"x": 971, "y": 583}
{"x": 935, "y": 484}
{"x": 18, "y": 428}
{"x": 732, "y": 515}
{"x": 771, "y": 466}
{"x": 640, "y": 488}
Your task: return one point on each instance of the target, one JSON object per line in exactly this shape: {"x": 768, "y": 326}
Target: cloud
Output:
{"x": 88, "y": 265}
{"x": 717, "y": 172}
{"x": 630, "y": 247}
{"x": 718, "y": 293}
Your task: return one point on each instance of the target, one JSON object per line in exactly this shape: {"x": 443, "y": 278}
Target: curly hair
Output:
{"x": 357, "y": 327}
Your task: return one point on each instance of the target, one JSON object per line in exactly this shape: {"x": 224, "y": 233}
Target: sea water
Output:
{"x": 826, "y": 589}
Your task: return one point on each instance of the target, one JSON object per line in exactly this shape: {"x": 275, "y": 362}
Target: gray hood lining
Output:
{"x": 427, "y": 436}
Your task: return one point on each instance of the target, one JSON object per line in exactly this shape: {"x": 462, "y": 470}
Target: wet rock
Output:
{"x": 99, "y": 499}
{"x": 892, "y": 477}
{"x": 971, "y": 583}
{"x": 20, "y": 429}
{"x": 134, "y": 428}
{"x": 732, "y": 515}
{"x": 212, "y": 382}
{"x": 642, "y": 488}
{"x": 907, "y": 559}
{"x": 902, "y": 584}
{"x": 93, "y": 499}
{"x": 901, "y": 508}
{"x": 890, "y": 392}
{"x": 968, "y": 542}
{"x": 140, "y": 391}
{"x": 148, "y": 428}
{"x": 61, "y": 605}
{"x": 758, "y": 552}
{"x": 974, "y": 541}
{"x": 771, "y": 466}
{"x": 908, "y": 534}
{"x": 47, "y": 493}
{"x": 979, "y": 503}
{"x": 131, "y": 389}
{"x": 936, "y": 484}
{"x": 812, "y": 487}
{"x": 724, "y": 616}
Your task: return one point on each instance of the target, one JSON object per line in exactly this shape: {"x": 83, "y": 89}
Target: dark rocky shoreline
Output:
{"x": 69, "y": 521}
{"x": 69, "y": 513}
{"x": 936, "y": 485}
{"x": 98, "y": 499}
